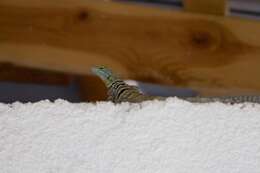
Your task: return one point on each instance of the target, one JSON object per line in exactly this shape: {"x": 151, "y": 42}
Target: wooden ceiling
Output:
{"x": 205, "y": 52}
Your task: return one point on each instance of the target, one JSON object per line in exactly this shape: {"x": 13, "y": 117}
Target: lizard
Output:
{"x": 119, "y": 91}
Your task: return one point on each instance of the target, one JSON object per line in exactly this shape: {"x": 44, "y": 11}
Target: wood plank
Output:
{"x": 216, "y": 7}
{"x": 18, "y": 74}
{"x": 92, "y": 88}
{"x": 143, "y": 43}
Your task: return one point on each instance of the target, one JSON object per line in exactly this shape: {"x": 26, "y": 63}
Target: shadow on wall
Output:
{"x": 162, "y": 90}
{"x": 12, "y": 92}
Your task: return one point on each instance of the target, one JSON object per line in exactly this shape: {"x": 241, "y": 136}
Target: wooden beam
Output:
{"x": 18, "y": 74}
{"x": 143, "y": 43}
{"x": 92, "y": 88}
{"x": 216, "y": 7}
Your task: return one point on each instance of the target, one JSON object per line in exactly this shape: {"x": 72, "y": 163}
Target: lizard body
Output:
{"x": 119, "y": 91}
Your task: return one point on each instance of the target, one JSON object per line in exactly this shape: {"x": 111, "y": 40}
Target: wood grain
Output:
{"x": 216, "y": 7}
{"x": 143, "y": 43}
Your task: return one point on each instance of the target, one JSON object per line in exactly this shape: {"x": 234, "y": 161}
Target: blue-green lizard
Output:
{"x": 119, "y": 91}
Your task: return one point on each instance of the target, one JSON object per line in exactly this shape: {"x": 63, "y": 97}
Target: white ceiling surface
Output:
{"x": 249, "y": 5}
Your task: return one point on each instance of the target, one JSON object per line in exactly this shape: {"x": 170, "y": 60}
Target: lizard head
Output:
{"x": 107, "y": 76}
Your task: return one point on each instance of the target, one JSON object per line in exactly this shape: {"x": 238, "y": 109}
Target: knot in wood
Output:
{"x": 204, "y": 40}
{"x": 82, "y": 15}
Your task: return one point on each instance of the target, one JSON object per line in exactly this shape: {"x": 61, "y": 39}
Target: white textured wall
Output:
{"x": 171, "y": 136}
